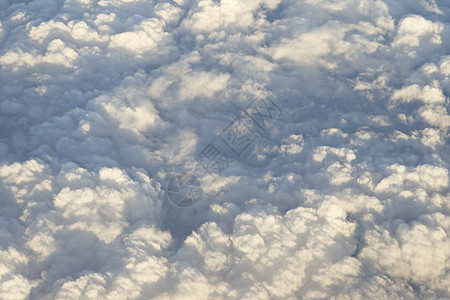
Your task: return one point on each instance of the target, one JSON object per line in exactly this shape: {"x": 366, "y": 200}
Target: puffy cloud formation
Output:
{"x": 344, "y": 194}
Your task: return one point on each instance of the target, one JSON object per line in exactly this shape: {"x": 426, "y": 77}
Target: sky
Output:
{"x": 224, "y": 149}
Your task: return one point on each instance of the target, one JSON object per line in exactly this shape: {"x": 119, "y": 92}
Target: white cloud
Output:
{"x": 342, "y": 195}
{"x": 436, "y": 116}
{"x": 228, "y": 14}
{"x": 413, "y": 29}
{"x": 202, "y": 84}
{"x": 432, "y": 6}
{"x": 309, "y": 47}
{"x": 427, "y": 94}
{"x": 426, "y": 176}
{"x": 432, "y": 137}
{"x": 142, "y": 39}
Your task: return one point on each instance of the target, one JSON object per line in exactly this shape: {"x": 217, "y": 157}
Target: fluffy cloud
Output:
{"x": 413, "y": 29}
{"x": 343, "y": 193}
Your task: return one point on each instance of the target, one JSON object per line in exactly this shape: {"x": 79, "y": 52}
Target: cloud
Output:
{"x": 342, "y": 193}
{"x": 414, "y": 28}
{"x": 141, "y": 40}
{"x": 427, "y": 94}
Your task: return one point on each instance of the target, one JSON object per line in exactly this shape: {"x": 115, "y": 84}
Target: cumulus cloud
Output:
{"x": 413, "y": 29}
{"x": 342, "y": 192}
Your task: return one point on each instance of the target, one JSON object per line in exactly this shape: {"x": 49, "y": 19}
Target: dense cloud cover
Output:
{"x": 344, "y": 195}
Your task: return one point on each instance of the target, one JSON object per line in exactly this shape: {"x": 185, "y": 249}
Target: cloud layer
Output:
{"x": 344, "y": 195}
